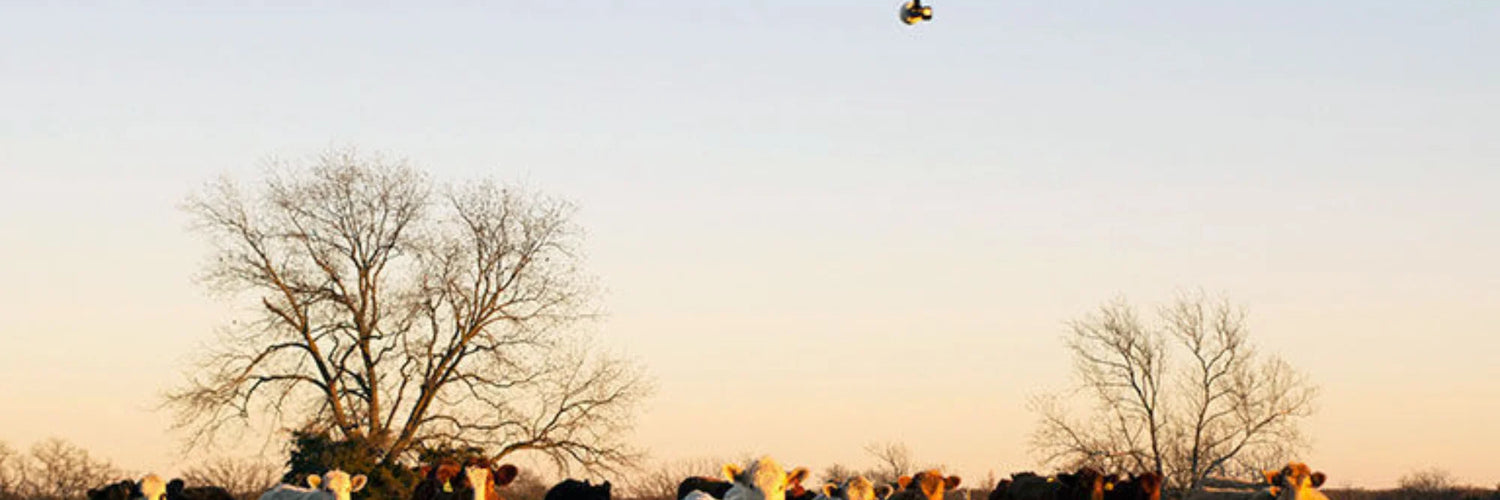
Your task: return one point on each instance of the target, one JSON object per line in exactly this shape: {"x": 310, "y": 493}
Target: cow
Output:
{"x": 150, "y": 487}
{"x": 177, "y": 490}
{"x": 1134, "y": 487}
{"x": 572, "y": 489}
{"x": 1296, "y": 481}
{"x": 926, "y": 485}
{"x": 795, "y": 491}
{"x": 1083, "y": 484}
{"x": 855, "y": 488}
{"x": 116, "y": 491}
{"x": 481, "y": 480}
{"x": 763, "y": 479}
{"x": 333, "y": 485}
{"x": 438, "y": 482}
{"x": 713, "y": 487}
{"x": 1026, "y": 486}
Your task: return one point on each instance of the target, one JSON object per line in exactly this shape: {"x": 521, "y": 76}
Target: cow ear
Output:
{"x": 1270, "y": 476}
{"x": 902, "y": 481}
{"x": 504, "y": 474}
{"x": 314, "y": 481}
{"x": 425, "y": 471}
{"x": 883, "y": 491}
{"x": 731, "y": 472}
{"x": 796, "y": 476}
{"x": 952, "y": 482}
{"x": 829, "y": 490}
{"x": 357, "y": 483}
{"x": 1318, "y": 478}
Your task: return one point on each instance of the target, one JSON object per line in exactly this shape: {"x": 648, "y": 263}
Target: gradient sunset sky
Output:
{"x": 817, "y": 228}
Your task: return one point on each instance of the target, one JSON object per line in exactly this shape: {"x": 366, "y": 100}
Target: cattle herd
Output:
{"x": 762, "y": 479}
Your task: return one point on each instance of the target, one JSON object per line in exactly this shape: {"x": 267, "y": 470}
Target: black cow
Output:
{"x": 713, "y": 487}
{"x": 1136, "y": 487}
{"x": 123, "y": 490}
{"x": 177, "y": 490}
{"x": 572, "y": 489}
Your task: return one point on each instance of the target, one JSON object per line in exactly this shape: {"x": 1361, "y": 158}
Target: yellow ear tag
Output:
{"x": 1051, "y": 479}
{"x": 1109, "y": 486}
{"x": 447, "y": 487}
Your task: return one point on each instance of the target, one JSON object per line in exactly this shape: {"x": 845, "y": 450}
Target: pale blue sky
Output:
{"x": 884, "y": 227}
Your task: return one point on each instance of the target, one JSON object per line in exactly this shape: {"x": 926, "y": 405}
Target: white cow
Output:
{"x": 855, "y": 488}
{"x": 764, "y": 479}
{"x": 152, "y": 488}
{"x": 334, "y": 485}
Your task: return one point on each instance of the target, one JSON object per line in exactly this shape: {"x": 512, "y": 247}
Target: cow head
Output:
{"x": 927, "y": 485}
{"x": 855, "y": 488}
{"x": 485, "y": 478}
{"x": 1296, "y": 481}
{"x": 151, "y": 487}
{"x": 764, "y": 479}
{"x": 337, "y": 483}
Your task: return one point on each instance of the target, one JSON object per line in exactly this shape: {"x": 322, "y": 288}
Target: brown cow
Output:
{"x": 926, "y": 485}
{"x": 1134, "y": 487}
{"x": 1296, "y": 481}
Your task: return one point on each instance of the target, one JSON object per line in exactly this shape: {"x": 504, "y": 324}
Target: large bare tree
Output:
{"x": 1214, "y": 406}
{"x": 385, "y": 309}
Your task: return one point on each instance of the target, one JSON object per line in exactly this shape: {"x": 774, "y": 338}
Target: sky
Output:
{"x": 816, "y": 227}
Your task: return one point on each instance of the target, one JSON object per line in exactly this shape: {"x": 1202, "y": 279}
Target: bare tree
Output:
{"x": 1224, "y": 409}
{"x": 245, "y": 478}
{"x": 838, "y": 473}
{"x": 406, "y": 316}
{"x": 1428, "y": 481}
{"x": 659, "y": 481}
{"x": 12, "y": 474}
{"x": 55, "y": 470}
{"x": 893, "y": 460}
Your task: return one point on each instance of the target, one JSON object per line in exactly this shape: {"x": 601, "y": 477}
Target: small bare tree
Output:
{"x": 892, "y": 460}
{"x": 838, "y": 473}
{"x": 245, "y": 478}
{"x": 659, "y": 481}
{"x": 1223, "y": 410}
{"x": 56, "y": 470}
{"x": 12, "y": 474}
{"x": 1428, "y": 481}
{"x": 405, "y": 316}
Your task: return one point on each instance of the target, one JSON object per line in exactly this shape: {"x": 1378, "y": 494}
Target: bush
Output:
{"x": 314, "y": 453}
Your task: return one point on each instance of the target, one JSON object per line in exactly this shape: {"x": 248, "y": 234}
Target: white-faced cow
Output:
{"x": 151, "y": 487}
{"x": 763, "y": 479}
{"x": 485, "y": 479}
{"x": 855, "y": 488}
{"x": 334, "y": 485}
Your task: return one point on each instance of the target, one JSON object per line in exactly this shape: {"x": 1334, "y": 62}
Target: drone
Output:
{"x": 914, "y": 12}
